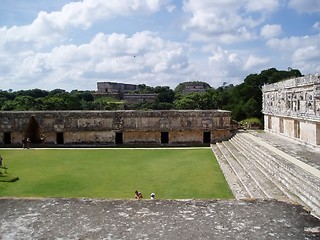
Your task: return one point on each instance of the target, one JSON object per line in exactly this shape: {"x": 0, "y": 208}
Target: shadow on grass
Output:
{"x": 4, "y": 177}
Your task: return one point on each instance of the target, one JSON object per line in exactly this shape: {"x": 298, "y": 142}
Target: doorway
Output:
{"x": 119, "y": 138}
{"x": 7, "y": 138}
{"x": 60, "y": 138}
{"x": 207, "y": 137}
{"x": 33, "y": 131}
{"x": 164, "y": 137}
{"x": 281, "y": 125}
{"x": 296, "y": 129}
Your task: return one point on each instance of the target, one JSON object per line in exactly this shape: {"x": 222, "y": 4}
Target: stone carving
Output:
{"x": 294, "y": 97}
{"x": 292, "y": 108}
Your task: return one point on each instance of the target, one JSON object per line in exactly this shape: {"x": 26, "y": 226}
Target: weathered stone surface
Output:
{"x": 117, "y": 88}
{"x": 154, "y": 219}
{"x": 263, "y": 165}
{"x": 297, "y": 97}
{"x": 292, "y": 108}
{"x": 94, "y": 127}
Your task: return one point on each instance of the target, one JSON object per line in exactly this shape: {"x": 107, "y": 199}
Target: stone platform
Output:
{"x": 261, "y": 165}
{"x": 269, "y": 204}
{"x": 155, "y": 219}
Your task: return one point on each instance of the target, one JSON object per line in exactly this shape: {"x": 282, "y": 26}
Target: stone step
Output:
{"x": 301, "y": 186}
{"x": 235, "y": 184}
{"x": 257, "y": 172}
{"x": 300, "y": 170}
{"x": 288, "y": 170}
{"x": 251, "y": 186}
{"x": 256, "y": 176}
{"x": 251, "y": 154}
{"x": 271, "y": 162}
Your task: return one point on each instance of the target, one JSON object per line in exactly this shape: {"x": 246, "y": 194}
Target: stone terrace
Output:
{"x": 266, "y": 166}
{"x": 266, "y": 181}
{"x": 155, "y": 219}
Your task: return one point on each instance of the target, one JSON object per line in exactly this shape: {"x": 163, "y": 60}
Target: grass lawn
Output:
{"x": 114, "y": 173}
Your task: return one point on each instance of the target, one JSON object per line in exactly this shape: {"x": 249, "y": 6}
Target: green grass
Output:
{"x": 114, "y": 173}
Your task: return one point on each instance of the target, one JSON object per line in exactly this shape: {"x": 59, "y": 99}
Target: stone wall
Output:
{"x": 292, "y": 108}
{"x": 115, "y": 127}
{"x": 114, "y": 87}
{"x": 139, "y": 98}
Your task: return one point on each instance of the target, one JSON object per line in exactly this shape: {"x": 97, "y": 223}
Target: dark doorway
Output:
{"x": 7, "y": 138}
{"x": 296, "y": 129}
{"x": 33, "y": 131}
{"x": 119, "y": 138}
{"x": 164, "y": 137}
{"x": 206, "y": 137}
{"x": 318, "y": 134}
{"x": 60, "y": 138}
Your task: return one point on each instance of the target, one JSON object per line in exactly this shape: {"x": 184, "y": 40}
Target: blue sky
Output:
{"x": 74, "y": 44}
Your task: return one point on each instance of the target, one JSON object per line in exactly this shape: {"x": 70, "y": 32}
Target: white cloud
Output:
{"x": 84, "y": 13}
{"x": 74, "y": 47}
{"x": 252, "y": 63}
{"x": 292, "y": 43}
{"x": 270, "y": 31}
{"x": 225, "y": 20}
{"x": 307, "y": 59}
{"x": 171, "y": 8}
{"x": 262, "y": 5}
{"x": 316, "y": 26}
{"x": 306, "y": 53}
{"x": 302, "y": 52}
{"x": 225, "y": 64}
{"x": 307, "y": 6}
{"x": 49, "y": 28}
{"x": 106, "y": 57}
{"x": 40, "y": 51}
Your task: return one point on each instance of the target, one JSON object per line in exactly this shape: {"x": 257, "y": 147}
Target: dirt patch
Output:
{"x": 154, "y": 219}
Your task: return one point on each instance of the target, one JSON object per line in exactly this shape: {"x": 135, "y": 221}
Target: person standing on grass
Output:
{"x": 28, "y": 143}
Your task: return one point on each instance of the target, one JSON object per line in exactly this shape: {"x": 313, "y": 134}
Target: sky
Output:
{"x": 72, "y": 45}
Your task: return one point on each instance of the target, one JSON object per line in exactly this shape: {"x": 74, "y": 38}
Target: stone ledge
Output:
{"x": 154, "y": 219}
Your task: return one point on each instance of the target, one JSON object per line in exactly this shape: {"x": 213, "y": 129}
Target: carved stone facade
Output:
{"x": 292, "y": 108}
{"x": 115, "y": 127}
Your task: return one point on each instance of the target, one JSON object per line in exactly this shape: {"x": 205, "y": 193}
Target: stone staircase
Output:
{"x": 254, "y": 169}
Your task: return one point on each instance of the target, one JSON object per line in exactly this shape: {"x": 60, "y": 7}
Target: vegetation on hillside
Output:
{"x": 243, "y": 100}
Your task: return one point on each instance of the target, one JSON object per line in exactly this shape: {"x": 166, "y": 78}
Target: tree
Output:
{"x": 190, "y": 101}
{"x": 165, "y": 94}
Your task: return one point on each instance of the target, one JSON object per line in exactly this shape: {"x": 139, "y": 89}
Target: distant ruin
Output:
{"x": 291, "y": 108}
{"x": 115, "y": 88}
{"x": 195, "y": 87}
{"x": 170, "y": 127}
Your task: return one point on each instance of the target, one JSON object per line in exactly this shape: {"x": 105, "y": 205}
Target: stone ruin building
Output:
{"x": 195, "y": 87}
{"x": 124, "y": 91}
{"x": 170, "y": 127}
{"x": 291, "y": 108}
{"x": 115, "y": 88}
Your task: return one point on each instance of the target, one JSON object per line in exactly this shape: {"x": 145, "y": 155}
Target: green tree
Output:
{"x": 190, "y": 101}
